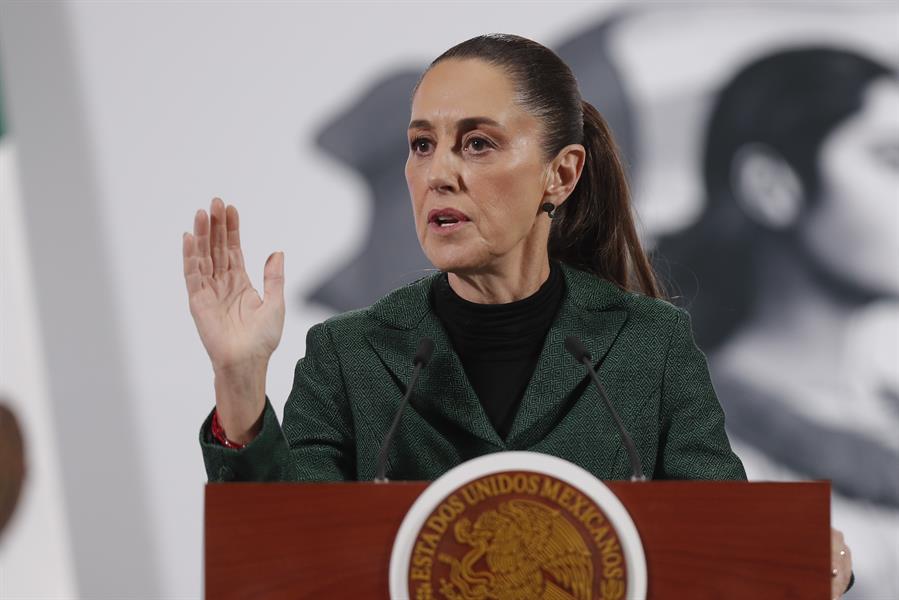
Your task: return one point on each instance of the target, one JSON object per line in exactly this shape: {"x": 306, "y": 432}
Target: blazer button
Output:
{"x": 226, "y": 473}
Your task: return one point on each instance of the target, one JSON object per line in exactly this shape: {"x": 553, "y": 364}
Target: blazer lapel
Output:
{"x": 549, "y": 394}
{"x": 443, "y": 392}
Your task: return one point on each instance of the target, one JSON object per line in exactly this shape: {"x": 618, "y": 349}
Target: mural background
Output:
{"x": 121, "y": 119}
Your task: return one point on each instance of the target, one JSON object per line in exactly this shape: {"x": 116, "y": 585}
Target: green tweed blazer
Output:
{"x": 357, "y": 366}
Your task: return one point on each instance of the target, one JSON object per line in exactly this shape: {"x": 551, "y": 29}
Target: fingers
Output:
{"x": 232, "y": 226}
{"x": 219, "y": 238}
{"x": 273, "y": 279}
{"x": 201, "y": 239}
{"x": 841, "y": 563}
{"x": 214, "y": 245}
{"x": 192, "y": 276}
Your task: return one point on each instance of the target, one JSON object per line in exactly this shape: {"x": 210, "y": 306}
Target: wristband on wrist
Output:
{"x": 218, "y": 432}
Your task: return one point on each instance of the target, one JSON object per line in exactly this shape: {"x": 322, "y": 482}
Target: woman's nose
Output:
{"x": 443, "y": 176}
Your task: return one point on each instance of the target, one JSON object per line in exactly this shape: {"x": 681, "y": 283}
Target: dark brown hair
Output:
{"x": 594, "y": 228}
{"x": 789, "y": 101}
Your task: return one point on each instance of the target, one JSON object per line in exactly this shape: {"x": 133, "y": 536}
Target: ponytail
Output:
{"x": 594, "y": 230}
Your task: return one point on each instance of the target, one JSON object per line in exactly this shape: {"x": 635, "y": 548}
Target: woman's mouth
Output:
{"x": 446, "y": 220}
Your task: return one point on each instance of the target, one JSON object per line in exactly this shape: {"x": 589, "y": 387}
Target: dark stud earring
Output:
{"x": 550, "y": 209}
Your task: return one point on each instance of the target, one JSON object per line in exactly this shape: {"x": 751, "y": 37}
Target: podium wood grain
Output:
{"x": 729, "y": 540}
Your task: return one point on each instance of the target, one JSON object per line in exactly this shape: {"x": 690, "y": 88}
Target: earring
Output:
{"x": 549, "y": 208}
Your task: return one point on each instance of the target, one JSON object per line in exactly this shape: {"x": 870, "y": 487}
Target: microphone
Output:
{"x": 421, "y": 360}
{"x": 577, "y": 349}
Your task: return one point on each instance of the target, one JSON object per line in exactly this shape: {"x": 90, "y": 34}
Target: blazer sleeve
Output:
{"x": 693, "y": 443}
{"x": 316, "y": 441}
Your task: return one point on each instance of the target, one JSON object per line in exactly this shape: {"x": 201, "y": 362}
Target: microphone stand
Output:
{"x": 580, "y": 353}
{"x": 422, "y": 357}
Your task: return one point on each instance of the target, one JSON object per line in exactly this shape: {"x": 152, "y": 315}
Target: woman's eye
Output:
{"x": 420, "y": 145}
{"x": 478, "y": 144}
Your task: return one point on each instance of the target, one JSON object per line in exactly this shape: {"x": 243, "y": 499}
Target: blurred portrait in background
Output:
{"x": 789, "y": 268}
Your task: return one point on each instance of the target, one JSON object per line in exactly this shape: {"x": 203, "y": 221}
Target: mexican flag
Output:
{"x": 35, "y": 553}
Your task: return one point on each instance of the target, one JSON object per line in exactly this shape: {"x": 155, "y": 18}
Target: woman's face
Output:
{"x": 853, "y": 229}
{"x": 475, "y": 171}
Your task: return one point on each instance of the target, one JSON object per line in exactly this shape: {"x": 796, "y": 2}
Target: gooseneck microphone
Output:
{"x": 580, "y": 354}
{"x": 421, "y": 359}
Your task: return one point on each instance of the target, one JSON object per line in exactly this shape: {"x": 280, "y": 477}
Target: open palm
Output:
{"x": 237, "y": 327}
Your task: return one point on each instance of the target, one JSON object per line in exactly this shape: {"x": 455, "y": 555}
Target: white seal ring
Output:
{"x": 533, "y": 462}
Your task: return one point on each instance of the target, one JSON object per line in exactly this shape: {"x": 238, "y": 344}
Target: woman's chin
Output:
{"x": 453, "y": 260}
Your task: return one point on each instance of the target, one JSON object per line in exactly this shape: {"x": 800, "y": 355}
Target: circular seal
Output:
{"x": 517, "y": 525}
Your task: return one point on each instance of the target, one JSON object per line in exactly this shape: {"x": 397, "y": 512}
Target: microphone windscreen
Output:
{"x": 577, "y": 349}
{"x": 424, "y": 352}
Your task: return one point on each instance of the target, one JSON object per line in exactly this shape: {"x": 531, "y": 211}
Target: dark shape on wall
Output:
{"x": 602, "y": 83}
{"x": 370, "y": 137}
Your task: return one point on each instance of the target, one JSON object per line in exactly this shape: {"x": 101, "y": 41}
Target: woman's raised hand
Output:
{"x": 239, "y": 329}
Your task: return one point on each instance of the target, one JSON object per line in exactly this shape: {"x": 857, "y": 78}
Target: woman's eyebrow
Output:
{"x": 465, "y": 124}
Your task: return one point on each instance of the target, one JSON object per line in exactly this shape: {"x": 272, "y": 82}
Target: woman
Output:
{"x": 801, "y": 173}
{"x": 520, "y": 201}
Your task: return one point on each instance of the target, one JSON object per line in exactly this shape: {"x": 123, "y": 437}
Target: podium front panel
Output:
{"x": 702, "y": 539}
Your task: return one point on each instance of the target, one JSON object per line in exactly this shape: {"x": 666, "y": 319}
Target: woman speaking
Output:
{"x": 521, "y": 203}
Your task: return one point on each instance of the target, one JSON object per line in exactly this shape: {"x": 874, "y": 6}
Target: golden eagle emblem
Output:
{"x": 530, "y": 552}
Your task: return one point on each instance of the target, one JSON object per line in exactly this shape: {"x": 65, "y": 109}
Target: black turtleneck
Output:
{"x": 499, "y": 344}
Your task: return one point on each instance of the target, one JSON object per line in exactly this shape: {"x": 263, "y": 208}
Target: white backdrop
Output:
{"x": 177, "y": 103}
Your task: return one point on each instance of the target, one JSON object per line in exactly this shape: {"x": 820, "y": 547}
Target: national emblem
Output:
{"x": 519, "y": 540}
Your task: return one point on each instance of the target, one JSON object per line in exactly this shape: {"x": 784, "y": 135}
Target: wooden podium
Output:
{"x": 728, "y": 540}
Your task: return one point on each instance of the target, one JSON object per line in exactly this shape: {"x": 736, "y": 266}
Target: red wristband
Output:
{"x": 218, "y": 433}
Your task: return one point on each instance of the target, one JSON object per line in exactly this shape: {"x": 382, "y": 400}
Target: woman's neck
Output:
{"x": 501, "y": 284}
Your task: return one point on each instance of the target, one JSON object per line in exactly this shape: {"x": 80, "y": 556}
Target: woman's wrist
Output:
{"x": 240, "y": 430}
{"x": 240, "y": 401}
{"x": 218, "y": 433}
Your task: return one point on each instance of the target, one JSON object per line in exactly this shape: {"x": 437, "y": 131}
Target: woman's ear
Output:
{"x": 766, "y": 187}
{"x": 564, "y": 173}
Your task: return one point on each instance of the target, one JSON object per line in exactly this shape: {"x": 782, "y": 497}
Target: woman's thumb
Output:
{"x": 273, "y": 278}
